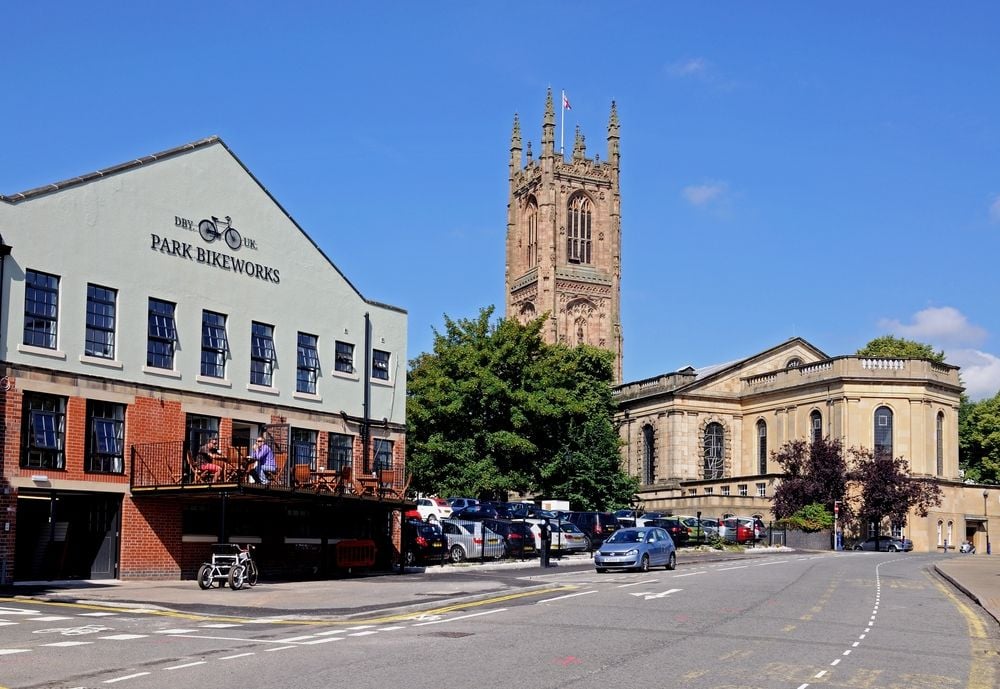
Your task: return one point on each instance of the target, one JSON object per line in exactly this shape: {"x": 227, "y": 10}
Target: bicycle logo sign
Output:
{"x": 213, "y": 229}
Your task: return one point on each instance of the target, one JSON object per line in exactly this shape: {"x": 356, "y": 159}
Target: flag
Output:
{"x": 566, "y": 105}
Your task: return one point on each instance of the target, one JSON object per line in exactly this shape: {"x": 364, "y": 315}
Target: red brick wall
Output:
{"x": 151, "y": 540}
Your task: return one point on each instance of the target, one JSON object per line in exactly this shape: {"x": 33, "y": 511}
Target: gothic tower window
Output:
{"x": 648, "y": 455}
{"x": 581, "y": 327}
{"x": 578, "y": 230}
{"x": 940, "y": 443}
{"x": 531, "y": 221}
{"x": 815, "y": 426}
{"x": 883, "y": 432}
{"x": 761, "y": 447}
{"x": 714, "y": 444}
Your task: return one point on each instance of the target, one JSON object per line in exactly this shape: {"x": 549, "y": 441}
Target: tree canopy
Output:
{"x": 979, "y": 439}
{"x": 887, "y": 491}
{"x": 494, "y": 410}
{"x": 889, "y": 346}
{"x": 815, "y": 473}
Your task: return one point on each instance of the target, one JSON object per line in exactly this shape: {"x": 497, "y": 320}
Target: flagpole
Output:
{"x": 562, "y": 123}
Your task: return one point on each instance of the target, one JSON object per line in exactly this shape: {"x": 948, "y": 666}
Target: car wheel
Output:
{"x": 432, "y": 518}
{"x": 672, "y": 561}
{"x": 893, "y": 549}
{"x": 409, "y": 558}
{"x": 857, "y": 547}
{"x": 644, "y": 564}
{"x": 457, "y": 554}
{"x": 601, "y": 570}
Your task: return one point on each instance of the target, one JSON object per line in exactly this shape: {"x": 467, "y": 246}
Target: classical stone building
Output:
{"x": 564, "y": 239}
{"x": 701, "y": 440}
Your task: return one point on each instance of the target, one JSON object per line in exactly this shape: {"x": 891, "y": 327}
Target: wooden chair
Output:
{"x": 276, "y": 476}
{"x": 195, "y": 472}
{"x": 302, "y": 476}
{"x": 344, "y": 481}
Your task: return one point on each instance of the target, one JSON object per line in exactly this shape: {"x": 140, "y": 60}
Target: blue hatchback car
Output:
{"x": 639, "y": 548}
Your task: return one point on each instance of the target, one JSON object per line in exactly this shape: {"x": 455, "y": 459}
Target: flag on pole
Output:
{"x": 566, "y": 105}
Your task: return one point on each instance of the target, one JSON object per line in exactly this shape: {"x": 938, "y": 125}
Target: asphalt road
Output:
{"x": 859, "y": 620}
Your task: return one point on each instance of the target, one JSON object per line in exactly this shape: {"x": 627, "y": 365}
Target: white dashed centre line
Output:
{"x": 122, "y": 679}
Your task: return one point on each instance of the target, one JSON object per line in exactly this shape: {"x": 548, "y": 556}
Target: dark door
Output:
{"x": 105, "y": 518}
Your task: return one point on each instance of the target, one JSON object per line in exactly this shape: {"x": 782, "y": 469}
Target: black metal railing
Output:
{"x": 175, "y": 464}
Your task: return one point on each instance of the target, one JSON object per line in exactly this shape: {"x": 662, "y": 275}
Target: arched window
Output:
{"x": 648, "y": 455}
{"x": 815, "y": 426}
{"x": 940, "y": 443}
{"x": 714, "y": 444}
{"x": 949, "y": 541}
{"x": 580, "y": 330}
{"x": 883, "y": 432}
{"x": 794, "y": 362}
{"x": 940, "y": 533}
{"x": 531, "y": 221}
{"x": 578, "y": 230}
{"x": 761, "y": 447}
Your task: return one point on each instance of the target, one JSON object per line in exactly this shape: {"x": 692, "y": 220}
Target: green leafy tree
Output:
{"x": 886, "y": 491}
{"x": 891, "y": 347}
{"x": 815, "y": 473}
{"x": 810, "y": 518}
{"x": 494, "y": 410}
{"x": 979, "y": 439}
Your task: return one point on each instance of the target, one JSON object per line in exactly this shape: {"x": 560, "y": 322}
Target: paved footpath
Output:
{"x": 419, "y": 589}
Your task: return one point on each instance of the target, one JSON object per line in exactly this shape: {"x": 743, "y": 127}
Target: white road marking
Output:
{"x": 819, "y": 674}
{"x": 329, "y": 639}
{"x": 5, "y": 623}
{"x": 392, "y": 629}
{"x": 662, "y": 594}
{"x": 836, "y": 662}
{"x": 238, "y": 655}
{"x": 279, "y": 648}
{"x": 635, "y": 583}
{"x": 357, "y": 634}
{"x": 331, "y": 631}
{"x": 298, "y": 638}
{"x": 66, "y": 644}
{"x": 689, "y": 574}
{"x": 219, "y": 625}
{"x": 464, "y": 617}
{"x": 119, "y": 679}
{"x": 571, "y": 595}
{"x": 847, "y": 652}
{"x": 363, "y": 626}
{"x": 124, "y": 637}
{"x": 181, "y": 667}
{"x": 11, "y": 651}
{"x": 97, "y": 614}
{"x": 176, "y": 631}
{"x": 726, "y": 569}
{"x": 49, "y": 618}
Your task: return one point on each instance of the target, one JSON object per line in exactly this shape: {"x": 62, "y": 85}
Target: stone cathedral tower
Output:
{"x": 564, "y": 239}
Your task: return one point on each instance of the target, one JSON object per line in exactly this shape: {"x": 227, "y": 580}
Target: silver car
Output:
{"x": 471, "y": 540}
{"x": 639, "y": 548}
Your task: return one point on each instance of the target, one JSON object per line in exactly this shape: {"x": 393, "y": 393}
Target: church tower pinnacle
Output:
{"x": 564, "y": 239}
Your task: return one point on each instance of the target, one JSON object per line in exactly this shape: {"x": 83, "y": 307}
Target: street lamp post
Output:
{"x": 986, "y": 517}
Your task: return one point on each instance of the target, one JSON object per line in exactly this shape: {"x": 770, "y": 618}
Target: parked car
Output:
{"x": 638, "y": 548}
{"x": 737, "y": 530}
{"x": 517, "y": 536}
{"x": 673, "y": 526}
{"x": 461, "y": 503}
{"x": 433, "y": 509}
{"x": 596, "y": 526}
{"x": 565, "y": 536}
{"x": 700, "y": 531}
{"x": 424, "y": 542}
{"x": 502, "y": 509}
{"x": 470, "y": 540}
{"x": 480, "y": 511}
{"x": 527, "y": 510}
{"x": 889, "y": 544}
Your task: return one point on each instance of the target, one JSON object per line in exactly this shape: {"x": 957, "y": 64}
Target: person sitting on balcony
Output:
{"x": 207, "y": 456}
{"x": 261, "y": 461}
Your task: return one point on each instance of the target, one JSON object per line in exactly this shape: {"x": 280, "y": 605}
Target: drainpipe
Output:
{"x": 4, "y": 253}
{"x": 366, "y": 416}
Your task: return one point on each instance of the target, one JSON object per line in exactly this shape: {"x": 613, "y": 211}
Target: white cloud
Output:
{"x": 995, "y": 209}
{"x": 938, "y": 326}
{"x": 703, "y": 194}
{"x": 692, "y": 67}
{"x": 980, "y": 372}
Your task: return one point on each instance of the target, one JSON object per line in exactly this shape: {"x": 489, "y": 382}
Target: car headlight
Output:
{"x": 632, "y": 553}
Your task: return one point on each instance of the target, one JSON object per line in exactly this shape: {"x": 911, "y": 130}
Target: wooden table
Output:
{"x": 366, "y": 485}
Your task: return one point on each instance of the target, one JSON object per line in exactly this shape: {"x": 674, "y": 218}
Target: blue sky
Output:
{"x": 788, "y": 169}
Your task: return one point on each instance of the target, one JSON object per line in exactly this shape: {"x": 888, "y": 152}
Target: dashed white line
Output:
{"x": 238, "y": 655}
{"x": 819, "y": 674}
{"x": 368, "y": 633}
{"x": 11, "y": 651}
{"x": 328, "y": 639}
{"x": 836, "y": 662}
{"x": 463, "y": 617}
{"x": 847, "y": 652}
{"x": 123, "y": 637}
{"x": 67, "y": 644}
{"x": 635, "y": 583}
{"x": 279, "y": 648}
{"x": 121, "y": 679}
{"x": 98, "y": 614}
{"x": 726, "y": 569}
{"x": 856, "y": 644}
{"x": 181, "y": 667}
{"x": 689, "y": 574}
{"x": 571, "y": 595}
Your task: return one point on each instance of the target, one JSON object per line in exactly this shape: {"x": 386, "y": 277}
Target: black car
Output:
{"x": 517, "y": 536}
{"x": 596, "y": 525}
{"x": 424, "y": 542}
{"x": 502, "y": 509}
{"x": 476, "y": 512}
{"x": 675, "y": 527}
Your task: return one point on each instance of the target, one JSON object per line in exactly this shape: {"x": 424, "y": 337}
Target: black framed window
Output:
{"x": 344, "y": 357}
{"x": 714, "y": 448}
{"x": 761, "y": 447}
{"x": 200, "y": 429}
{"x": 162, "y": 334}
{"x": 262, "y": 354}
{"x": 105, "y": 437}
{"x": 41, "y": 309}
{"x": 883, "y": 432}
{"x": 578, "y": 230}
{"x": 101, "y": 312}
{"x": 648, "y": 455}
{"x": 341, "y": 451}
{"x": 214, "y": 344}
{"x": 815, "y": 426}
{"x": 43, "y": 431}
{"x": 383, "y": 454}
{"x": 304, "y": 447}
{"x": 531, "y": 218}
{"x": 308, "y": 364}
{"x": 380, "y": 364}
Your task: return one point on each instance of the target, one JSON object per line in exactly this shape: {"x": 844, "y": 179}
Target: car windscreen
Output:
{"x": 627, "y": 536}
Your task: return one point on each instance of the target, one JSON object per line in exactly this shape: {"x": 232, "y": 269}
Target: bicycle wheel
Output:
{"x": 206, "y": 228}
{"x": 237, "y": 575}
{"x": 252, "y": 573}
{"x": 233, "y": 239}
{"x": 205, "y": 579}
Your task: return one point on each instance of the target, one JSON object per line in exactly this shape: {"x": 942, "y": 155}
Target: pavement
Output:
{"x": 427, "y": 590}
